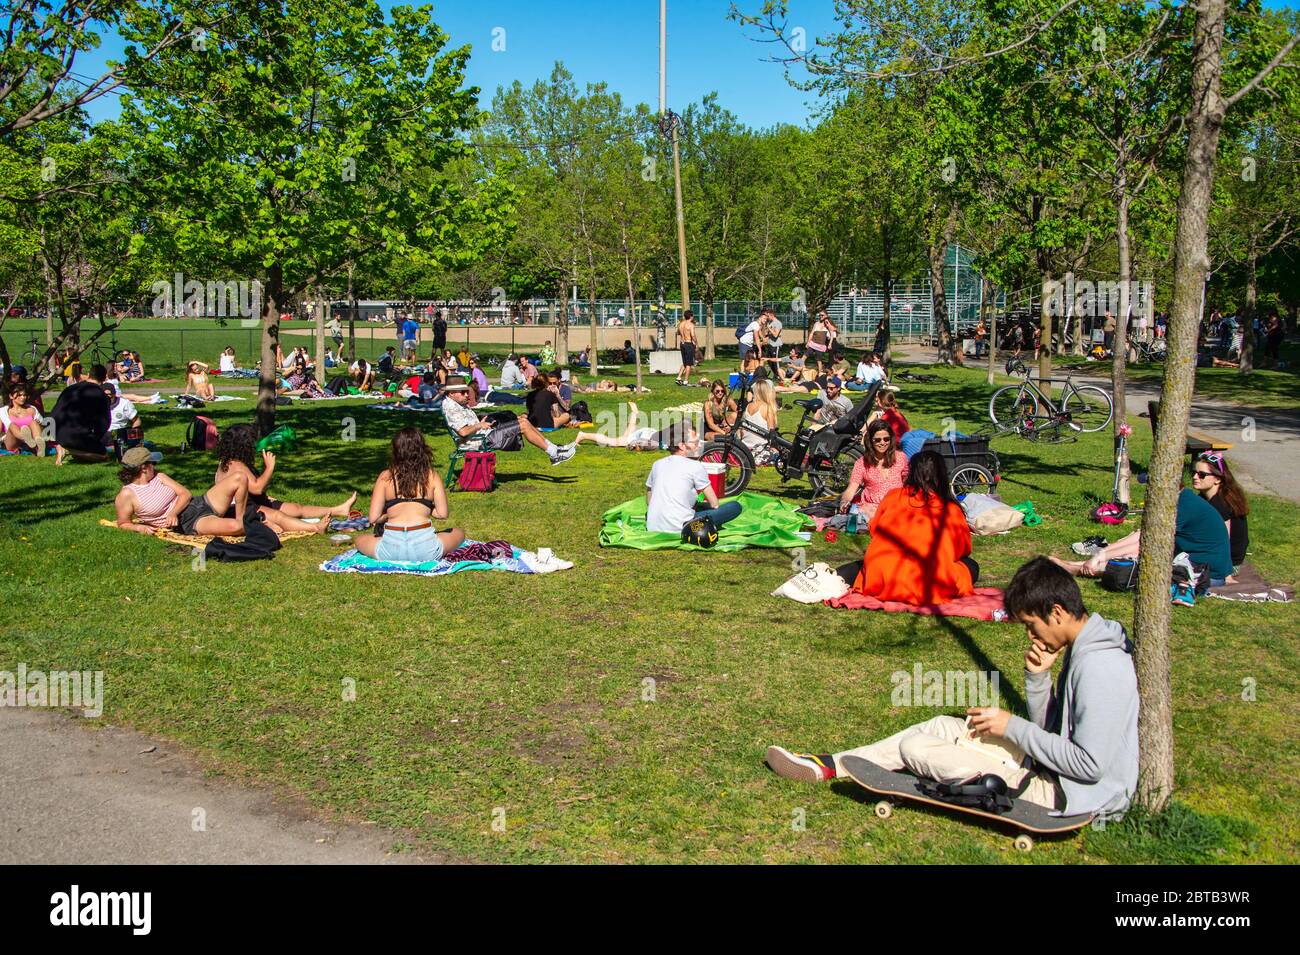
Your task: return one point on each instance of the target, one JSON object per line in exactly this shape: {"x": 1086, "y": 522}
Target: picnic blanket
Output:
{"x": 984, "y": 604}
{"x": 202, "y": 540}
{"x": 519, "y": 562}
{"x": 1251, "y": 587}
{"x": 763, "y": 522}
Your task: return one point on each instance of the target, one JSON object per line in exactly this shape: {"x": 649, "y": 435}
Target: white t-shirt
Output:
{"x": 122, "y": 414}
{"x": 750, "y": 331}
{"x": 228, "y": 363}
{"x": 458, "y": 416}
{"x": 870, "y": 373}
{"x": 674, "y": 482}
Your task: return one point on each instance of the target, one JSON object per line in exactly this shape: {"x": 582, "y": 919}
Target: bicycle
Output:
{"x": 824, "y": 456}
{"x": 1149, "y": 351}
{"x": 1025, "y": 409}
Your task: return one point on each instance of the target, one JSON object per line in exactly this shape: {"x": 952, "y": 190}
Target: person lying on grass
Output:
{"x": 920, "y": 541}
{"x": 634, "y": 437}
{"x": 196, "y": 381}
{"x": 1078, "y": 750}
{"x": 235, "y": 454}
{"x": 674, "y": 483}
{"x": 1199, "y": 531}
{"x": 21, "y": 425}
{"x": 501, "y": 431}
{"x": 407, "y": 498}
{"x": 150, "y": 501}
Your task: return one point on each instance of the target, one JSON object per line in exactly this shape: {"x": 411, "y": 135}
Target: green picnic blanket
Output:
{"x": 763, "y": 522}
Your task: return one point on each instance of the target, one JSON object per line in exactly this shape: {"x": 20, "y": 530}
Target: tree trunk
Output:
{"x": 270, "y": 373}
{"x": 1247, "y": 356}
{"x": 352, "y": 320}
{"x": 988, "y": 307}
{"x": 1119, "y": 349}
{"x": 319, "y": 311}
{"x": 562, "y": 326}
{"x": 1151, "y": 605}
{"x": 1045, "y": 329}
{"x": 708, "y": 318}
{"x": 636, "y": 327}
{"x": 595, "y": 328}
{"x": 948, "y": 353}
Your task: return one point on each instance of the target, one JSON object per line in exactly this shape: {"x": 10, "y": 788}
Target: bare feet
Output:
{"x": 345, "y": 508}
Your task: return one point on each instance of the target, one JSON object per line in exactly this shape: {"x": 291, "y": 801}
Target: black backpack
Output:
{"x": 259, "y": 543}
{"x": 578, "y": 411}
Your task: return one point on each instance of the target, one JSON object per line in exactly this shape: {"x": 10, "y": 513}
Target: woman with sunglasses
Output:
{"x": 1213, "y": 480}
{"x": 719, "y": 411}
{"x": 881, "y": 469}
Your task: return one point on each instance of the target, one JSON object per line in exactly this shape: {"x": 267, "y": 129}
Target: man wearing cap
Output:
{"x": 675, "y": 481}
{"x": 501, "y": 431}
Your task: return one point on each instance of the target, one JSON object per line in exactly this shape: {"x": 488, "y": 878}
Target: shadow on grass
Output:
{"x": 1178, "y": 836}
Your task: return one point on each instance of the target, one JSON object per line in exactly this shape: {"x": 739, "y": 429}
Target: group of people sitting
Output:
{"x": 89, "y": 418}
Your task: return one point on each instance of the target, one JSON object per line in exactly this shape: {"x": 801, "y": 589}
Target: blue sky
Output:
{"x": 617, "y": 41}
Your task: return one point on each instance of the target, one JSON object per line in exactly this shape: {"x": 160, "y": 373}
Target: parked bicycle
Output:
{"x": 1149, "y": 351}
{"x": 825, "y": 456}
{"x": 1025, "y": 409}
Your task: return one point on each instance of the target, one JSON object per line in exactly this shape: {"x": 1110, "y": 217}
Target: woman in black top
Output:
{"x": 1213, "y": 480}
{"x": 545, "y": 409}
{"x": 408, "y": 497}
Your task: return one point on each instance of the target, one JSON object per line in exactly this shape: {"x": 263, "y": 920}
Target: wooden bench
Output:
{"x": 1197, "y": 443}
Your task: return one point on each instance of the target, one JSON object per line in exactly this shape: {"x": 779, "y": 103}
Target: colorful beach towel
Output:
{"x": 519, "y": 562}
{"x": 202, "y": 540}
{"x": 763, "y": 522}
{"x": 984, "y": 604}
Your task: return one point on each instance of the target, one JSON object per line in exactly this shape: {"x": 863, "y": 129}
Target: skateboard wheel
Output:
{"x": 1024, "y": 843}
{"x": 884, "y": 809}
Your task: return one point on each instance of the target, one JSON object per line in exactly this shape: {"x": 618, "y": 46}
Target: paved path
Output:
{"x": 1265, "y": 452}
{"x": 71, "y": 793}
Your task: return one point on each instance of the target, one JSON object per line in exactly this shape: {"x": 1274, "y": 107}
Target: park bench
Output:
{"x": 1197, "y": 443}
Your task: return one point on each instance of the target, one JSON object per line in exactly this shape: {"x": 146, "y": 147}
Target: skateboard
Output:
{"x": 1022, "y": 815}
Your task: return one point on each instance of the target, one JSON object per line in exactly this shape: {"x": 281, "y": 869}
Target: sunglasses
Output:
{"x": 1202, "y": 474}
{"x": 1212, "y": 457}
{"x": 881, "y": 440}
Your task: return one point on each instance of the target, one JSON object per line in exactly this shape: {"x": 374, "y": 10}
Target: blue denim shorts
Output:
{"x": 414, "y": 547}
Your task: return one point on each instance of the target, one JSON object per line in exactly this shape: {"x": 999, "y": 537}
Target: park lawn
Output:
{"x": 482, "y": 694}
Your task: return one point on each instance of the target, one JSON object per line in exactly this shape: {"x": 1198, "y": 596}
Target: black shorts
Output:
{"x": 504, "y": 435}
{"x": 197, "y": 509}
{"x": 256, "y": 501}
{"x": 688, "y": 354}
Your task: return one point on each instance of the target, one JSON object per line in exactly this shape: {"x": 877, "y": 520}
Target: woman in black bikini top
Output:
{"x": 408, "y": 497}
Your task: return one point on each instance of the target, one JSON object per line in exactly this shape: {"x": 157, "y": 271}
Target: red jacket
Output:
{"x": 915, "y": 551}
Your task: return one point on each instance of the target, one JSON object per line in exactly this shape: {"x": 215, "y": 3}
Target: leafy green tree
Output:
{"x": 304, "y": 138}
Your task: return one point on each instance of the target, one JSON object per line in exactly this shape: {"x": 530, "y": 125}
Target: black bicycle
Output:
{"x": 825, "y": 456}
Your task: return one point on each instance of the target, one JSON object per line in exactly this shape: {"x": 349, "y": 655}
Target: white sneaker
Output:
{"x": 563, "y": 454}
{"x": 539, "y": 564}
{"x": 797, "y": 766}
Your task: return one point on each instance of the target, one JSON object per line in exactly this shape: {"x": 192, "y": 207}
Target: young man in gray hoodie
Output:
{"x": 1078, "y": 751}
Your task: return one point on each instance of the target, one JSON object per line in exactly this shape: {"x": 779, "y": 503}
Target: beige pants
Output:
{"x": 943, "y": 749}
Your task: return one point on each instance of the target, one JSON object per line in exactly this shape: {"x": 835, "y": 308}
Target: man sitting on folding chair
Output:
{"x": 499, "y": 431}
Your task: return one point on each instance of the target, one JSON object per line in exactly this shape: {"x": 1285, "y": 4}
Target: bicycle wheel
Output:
{"x": 836, "y": 479}
{"x": 1087, "y": 409}
{"x": 739, "y": 462}
{"x": 1011, "y": 406}
{"x": 970, "y": 479}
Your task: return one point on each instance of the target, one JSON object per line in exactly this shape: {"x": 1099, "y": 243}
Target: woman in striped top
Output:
{"x": 150, "y": 502}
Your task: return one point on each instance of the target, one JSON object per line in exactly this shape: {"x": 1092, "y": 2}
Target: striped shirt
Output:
{"x": 152, "y": 501}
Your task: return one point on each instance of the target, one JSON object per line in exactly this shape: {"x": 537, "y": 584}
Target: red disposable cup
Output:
{"x": 832, "y": 537}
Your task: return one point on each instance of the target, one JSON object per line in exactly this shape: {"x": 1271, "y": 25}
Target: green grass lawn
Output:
{"x": 525, "y": 694}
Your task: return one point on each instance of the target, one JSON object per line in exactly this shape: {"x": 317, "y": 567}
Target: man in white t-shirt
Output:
{"x": 121, "y": 412}
{"x": 751, "y": 343}
{"x": 502, "y": 434}
{"x": 674, "y": 483}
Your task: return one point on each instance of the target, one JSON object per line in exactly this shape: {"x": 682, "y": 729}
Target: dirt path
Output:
{"x": 70, "y": 793}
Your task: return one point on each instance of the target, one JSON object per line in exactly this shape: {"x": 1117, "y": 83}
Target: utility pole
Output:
{"x": 668, "y": 125}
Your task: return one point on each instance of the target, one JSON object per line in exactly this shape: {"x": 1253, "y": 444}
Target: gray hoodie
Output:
{"x": 1086, "y": 731}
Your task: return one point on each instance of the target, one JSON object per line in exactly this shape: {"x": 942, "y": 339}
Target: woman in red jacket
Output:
{"x": 920, "y": 541}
